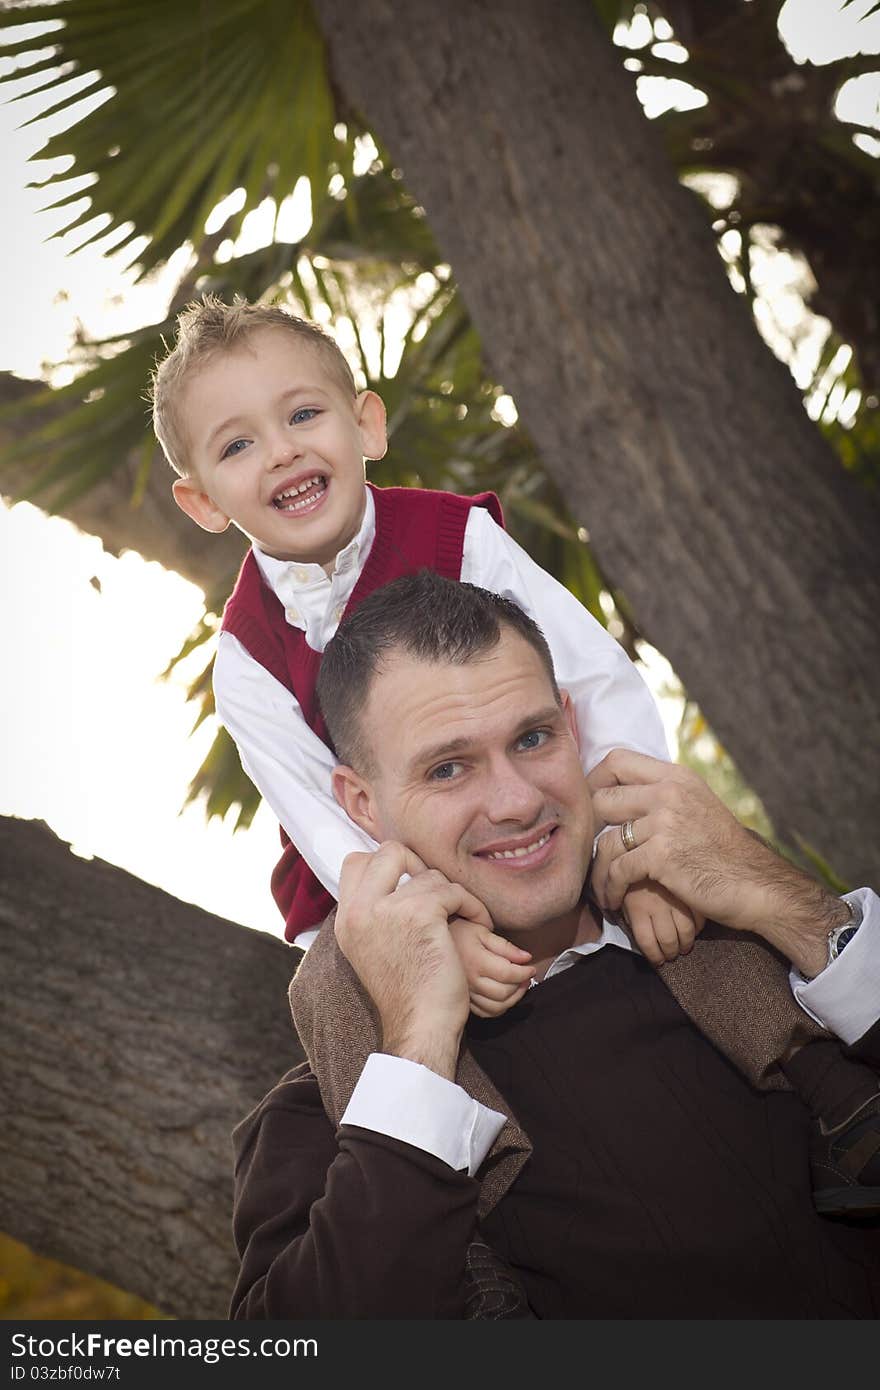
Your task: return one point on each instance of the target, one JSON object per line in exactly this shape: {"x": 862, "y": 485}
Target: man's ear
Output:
{"x": 355, "y": 796}
{"x": 369, "y": 410}
{"x": 198, "y": 505}
{"x": 570, "y": 718}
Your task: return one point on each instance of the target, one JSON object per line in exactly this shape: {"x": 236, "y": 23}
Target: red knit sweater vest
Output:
{"x": 415, "y": 529}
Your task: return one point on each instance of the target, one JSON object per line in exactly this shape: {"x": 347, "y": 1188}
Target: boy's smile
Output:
{"x": 277, "y": 446}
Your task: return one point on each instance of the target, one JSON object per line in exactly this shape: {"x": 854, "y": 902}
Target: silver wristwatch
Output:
{"x": 839, "y": 937}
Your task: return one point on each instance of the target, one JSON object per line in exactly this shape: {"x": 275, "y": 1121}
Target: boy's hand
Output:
{"x": 661, "y": 926}
{"x": 498, "y": 973}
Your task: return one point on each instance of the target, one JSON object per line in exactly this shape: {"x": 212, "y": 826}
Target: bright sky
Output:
{"x": 94, "y": 743}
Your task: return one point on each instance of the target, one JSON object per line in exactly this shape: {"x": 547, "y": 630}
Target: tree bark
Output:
{"x": 155, "y": 528}
{"x": 137, "y": 1030}
{"x": 749, "y": 557}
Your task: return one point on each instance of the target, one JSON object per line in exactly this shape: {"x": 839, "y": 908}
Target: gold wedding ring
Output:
{"x": 627, "y": 836}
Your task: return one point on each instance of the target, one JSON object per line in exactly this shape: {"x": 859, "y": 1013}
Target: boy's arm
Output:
{"x": 614, "y": 707}
{"x": 286, "y": 761}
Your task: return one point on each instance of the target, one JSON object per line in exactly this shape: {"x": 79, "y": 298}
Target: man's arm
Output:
{"x": 360, "y": 1223}
{"x": 684, "y": 838}
{"x": 346, "y": 1224}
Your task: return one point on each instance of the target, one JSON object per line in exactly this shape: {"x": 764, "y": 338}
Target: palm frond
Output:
{"x": 198, "y": 100}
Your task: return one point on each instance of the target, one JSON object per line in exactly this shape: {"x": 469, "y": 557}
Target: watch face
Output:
{"x": 842, "y": 940}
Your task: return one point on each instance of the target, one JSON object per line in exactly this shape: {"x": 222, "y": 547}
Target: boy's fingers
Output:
{"x": 685, "y": 927}
{"x": 666, "y": 935}
{"x": 500, "y": 946}
{"x": 506, "y": 972}
{"x": 497, "y": 990}
{"x": 485, "y": 1007}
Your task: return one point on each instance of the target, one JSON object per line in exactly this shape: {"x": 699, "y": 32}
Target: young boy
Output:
{"x": 259, "y": 414}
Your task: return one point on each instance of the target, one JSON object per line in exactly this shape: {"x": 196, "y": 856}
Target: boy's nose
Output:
{"x": 283, "y": 451}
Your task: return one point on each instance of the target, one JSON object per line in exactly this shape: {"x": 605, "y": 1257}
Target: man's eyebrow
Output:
{"x": 285, "y": 396}
{"x": 441, "y": 752}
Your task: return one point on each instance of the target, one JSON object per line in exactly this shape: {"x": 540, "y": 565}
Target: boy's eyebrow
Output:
{"x": 285, "y": 396}
{"x": 448, "y": 748}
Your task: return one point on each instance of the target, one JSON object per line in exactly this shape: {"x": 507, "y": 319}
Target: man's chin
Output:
{"x": 524, "y": 911}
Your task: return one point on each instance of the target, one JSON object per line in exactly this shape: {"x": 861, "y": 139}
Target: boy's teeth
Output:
{"x": 522, "y": 851}
{"x": 291, "y": 492}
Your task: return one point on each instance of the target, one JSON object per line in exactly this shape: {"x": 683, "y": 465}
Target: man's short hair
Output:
{"x": 209, "y": 327}
{"x": 426, "y": 616}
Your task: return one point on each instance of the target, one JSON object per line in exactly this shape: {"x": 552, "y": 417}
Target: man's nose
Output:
{"x": 511, "y": 794}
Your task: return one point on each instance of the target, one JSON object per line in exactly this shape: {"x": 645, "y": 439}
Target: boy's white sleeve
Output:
{"x": 287, "y": 762}
{"x": 614, "y": 706}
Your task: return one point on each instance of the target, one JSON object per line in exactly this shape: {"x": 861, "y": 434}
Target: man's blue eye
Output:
{"x": 444, "y": 772}
{"x": 302, "y": 417}
{"x": 534, "y": 738}
{"x": 234, "y": 448}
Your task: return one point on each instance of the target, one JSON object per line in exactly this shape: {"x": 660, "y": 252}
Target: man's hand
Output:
{"x": 398, "y": 942}
{"x": 498, "y": 973}
{"x": 687, "y": 841}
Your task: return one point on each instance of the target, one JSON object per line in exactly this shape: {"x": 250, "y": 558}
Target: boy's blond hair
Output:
{"x": 208, "y": 327}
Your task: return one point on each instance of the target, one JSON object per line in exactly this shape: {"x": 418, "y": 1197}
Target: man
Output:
{"x": 660, "y": 1184}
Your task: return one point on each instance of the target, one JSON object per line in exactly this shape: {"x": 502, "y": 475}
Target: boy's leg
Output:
{"x": 736, "y": 990}
{"x": 845, "y": 1145}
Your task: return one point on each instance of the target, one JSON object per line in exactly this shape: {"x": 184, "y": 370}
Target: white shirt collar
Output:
{"x": 612, "y": 935}
{"x": 287, "y": 576}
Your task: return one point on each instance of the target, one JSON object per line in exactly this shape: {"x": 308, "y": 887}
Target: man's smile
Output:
{"x": 528, "y": 851}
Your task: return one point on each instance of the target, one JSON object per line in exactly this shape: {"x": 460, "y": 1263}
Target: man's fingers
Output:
{"x": 623, "y": 766}
{"x": 382, "y": 871}
{"x": 614, "y": 805}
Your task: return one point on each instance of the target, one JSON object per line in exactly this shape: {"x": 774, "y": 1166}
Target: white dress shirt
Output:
{"x": 407, "y": 1101}
{"x": 291, "y": 766}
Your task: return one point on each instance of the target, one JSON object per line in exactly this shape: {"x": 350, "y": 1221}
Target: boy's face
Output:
{"x": 277, "y": 446}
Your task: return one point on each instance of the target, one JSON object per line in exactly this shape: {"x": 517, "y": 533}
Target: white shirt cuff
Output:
{"x": 845, "y": 997}
{"x": 410, "y": 1102}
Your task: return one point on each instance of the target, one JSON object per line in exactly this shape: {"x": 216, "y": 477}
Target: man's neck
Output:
{"x": 583, "y": 923}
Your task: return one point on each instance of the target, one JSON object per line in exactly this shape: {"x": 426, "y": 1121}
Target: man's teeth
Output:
{"x": 522, "y": 851}
{"x": 290, "y": 492}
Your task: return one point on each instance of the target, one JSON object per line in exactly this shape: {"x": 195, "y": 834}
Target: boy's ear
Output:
{"x": 198, "y": 505}
{"x": 355, "y": 796}
{"x": 369, "y": 410}
{"x": 570, "y": 718}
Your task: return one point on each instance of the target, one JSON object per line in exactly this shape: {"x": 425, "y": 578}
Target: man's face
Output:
{"x": 277, "y": 446}
{"x": 477, "y": 770}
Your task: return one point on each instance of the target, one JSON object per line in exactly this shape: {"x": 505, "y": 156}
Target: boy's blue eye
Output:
{"x": 302, "y": 417}
{"x": 234, "y": 448}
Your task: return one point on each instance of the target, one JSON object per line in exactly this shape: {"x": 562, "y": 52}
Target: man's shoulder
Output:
{"x": 296, "y": 1095}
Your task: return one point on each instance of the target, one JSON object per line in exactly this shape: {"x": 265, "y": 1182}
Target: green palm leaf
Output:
{"x": 199, "y": 100}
